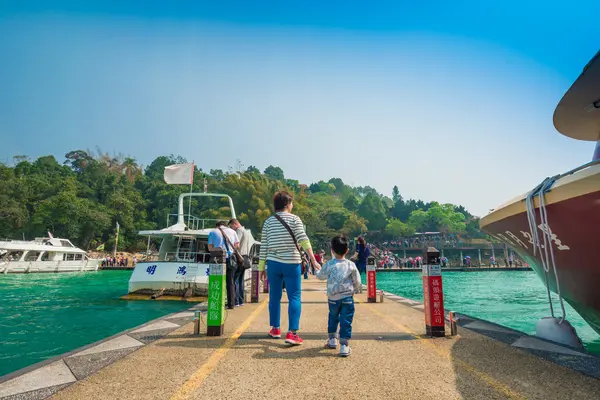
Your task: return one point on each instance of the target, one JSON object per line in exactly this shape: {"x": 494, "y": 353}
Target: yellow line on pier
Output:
{"x": 498, "y": 386}
{"x": 198, "y": 377}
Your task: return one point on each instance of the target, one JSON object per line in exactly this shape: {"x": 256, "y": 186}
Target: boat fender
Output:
{"x": 552, "y": 329}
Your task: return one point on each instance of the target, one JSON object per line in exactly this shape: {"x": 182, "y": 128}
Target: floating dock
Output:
{"x": 391, "y": 359}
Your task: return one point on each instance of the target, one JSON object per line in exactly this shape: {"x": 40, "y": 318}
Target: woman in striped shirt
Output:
{"x": 279, "y": 251}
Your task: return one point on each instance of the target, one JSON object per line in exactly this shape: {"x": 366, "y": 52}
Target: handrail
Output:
{"x": 193, "y": 222}
{"x": 187, "y": 256}
{"x": 180, "y": 219}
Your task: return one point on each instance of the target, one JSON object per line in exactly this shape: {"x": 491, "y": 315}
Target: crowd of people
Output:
{"x": 119, "y": 261}
{"x": 424, "y": 240}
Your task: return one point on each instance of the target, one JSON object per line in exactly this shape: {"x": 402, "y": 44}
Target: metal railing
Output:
{"x": 187, "y": 256}
{"x": 195, "y": 223}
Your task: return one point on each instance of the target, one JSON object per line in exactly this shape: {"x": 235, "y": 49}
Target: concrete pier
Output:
{"x": 391, "y": 359}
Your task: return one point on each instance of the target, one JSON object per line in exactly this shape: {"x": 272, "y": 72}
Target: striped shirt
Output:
{"x": 277, "y": 243}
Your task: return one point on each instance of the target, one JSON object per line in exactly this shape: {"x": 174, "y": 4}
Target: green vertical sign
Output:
{"x": 216, "y": 300}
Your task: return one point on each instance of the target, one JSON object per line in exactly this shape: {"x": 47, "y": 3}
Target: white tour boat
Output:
{"x": 48, "y": 254}
{"x": 181, "y": 267}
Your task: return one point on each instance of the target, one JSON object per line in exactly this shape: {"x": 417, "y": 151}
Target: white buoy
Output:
{"x": 552, "y": 329}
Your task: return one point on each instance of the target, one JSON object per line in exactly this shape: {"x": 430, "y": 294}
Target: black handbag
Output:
{"x": 238, "y": 257}
{"x": 304, "y": 261}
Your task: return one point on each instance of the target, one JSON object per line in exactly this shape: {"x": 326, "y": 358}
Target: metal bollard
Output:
{"x": 381, "y": 296}
{"x": 452, "y": 319}
{"x": 197, "y": 316}
{"x": 371, "y": 280}
{"x": 266, "y": 286}
{"x": 255, "y": 281}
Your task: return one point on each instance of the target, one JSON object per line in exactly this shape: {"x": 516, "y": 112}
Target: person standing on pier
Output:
{"x": 362, "y": 253}
{"x": 244, "y": 250}
{"x": 217, "y": 239}
{"x": 283, "y": 236}
{"x": 343, "y": 280}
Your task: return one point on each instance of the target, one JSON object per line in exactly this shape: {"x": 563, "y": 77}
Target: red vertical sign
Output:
{"x": 433, "y": 296}
{"x": 371, "y": 281}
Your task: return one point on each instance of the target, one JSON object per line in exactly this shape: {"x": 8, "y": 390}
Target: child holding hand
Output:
{"x": 343, "y": 281}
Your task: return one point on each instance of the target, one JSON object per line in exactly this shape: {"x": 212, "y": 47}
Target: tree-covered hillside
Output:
{"x": 83, "y": 197}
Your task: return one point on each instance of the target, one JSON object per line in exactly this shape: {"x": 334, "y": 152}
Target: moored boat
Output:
{"x": 48, "y": 254}
{"x": 555, "y": 227}
{"x": 181, "y": 267}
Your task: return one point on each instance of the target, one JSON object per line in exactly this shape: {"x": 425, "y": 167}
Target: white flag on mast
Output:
{"x": 179, "y": 174}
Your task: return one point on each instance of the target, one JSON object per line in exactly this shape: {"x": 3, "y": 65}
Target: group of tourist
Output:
{"x": 233, "y": 241}
{"x": 119, "y": 261}
{"x": 421, "y": 241}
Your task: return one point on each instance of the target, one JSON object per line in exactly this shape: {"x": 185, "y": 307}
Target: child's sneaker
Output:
{"x": 293, "y": 338}
{"x": 345, "y": 350}
{"x": 332, "y": 343}
{"x": 275, "y": 333}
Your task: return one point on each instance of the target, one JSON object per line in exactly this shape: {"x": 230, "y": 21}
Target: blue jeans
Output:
{"x": 361, "y": 265}
{"x": 290, "y": 274}
{"x": 341, "y": 312}
{"x": 239, "y": 286}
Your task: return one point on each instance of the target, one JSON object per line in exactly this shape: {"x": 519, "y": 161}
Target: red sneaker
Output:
{"x": 293, "y": 338}
{"x": 275, "y": 333}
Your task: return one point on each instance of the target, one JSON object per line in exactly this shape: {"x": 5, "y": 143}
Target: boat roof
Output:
{"x": 37, "y": 246}
{"x": 164, "y": 233}
{"x": 577, "y": 115}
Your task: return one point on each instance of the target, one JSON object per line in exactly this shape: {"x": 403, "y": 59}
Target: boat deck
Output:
{"x": 391, "y": 359}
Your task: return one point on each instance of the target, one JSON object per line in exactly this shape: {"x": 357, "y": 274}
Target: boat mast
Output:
{"x": 116, "y": 241}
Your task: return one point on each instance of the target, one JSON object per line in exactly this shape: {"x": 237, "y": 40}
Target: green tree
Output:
{"x": 252, "y": 170}
{"x": 396, "y": 195}
{"x": 419, "y": 219}
{"x": 354, "y": 225}
{"x": 131, "y": 169}
{"x": 373, "y": 210}
{"x": 274, "y": 173}
{"x": 396, "y": 228}
{"x": 351, "y": 203}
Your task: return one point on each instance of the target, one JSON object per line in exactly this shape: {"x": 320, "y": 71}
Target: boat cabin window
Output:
{"x": 47, "y": 256}
{"x": 12, "y": 255}
{"x": 66, "y": 243}
{"x": 78, "y": 257}
{"x": 186, "y": 248}
{"x": 68, "y": 257}
{"x": 32, "y": 255}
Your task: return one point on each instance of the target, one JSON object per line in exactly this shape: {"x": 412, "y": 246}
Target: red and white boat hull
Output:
{"x": 573, "y": 210}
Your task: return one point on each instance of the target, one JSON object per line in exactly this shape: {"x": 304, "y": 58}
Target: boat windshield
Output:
{"x": 183, "y": 249}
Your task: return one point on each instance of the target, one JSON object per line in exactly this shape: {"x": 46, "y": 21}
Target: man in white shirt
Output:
{"x": 244, "y": 250}
{"x": 216, "y": 239}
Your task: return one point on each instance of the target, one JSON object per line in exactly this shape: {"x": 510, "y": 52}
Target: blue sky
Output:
{"x": 451, "y": 101}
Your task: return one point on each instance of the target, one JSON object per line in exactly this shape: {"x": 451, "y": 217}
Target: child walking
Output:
{"x": 343, "y": 280}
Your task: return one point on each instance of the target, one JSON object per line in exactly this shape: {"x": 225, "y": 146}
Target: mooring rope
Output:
{"x": 546, "y": 256}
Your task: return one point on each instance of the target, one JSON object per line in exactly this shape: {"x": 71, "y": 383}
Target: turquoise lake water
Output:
{"x": 516, "y": 299}
{"x": 43, "y": 315}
